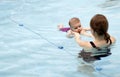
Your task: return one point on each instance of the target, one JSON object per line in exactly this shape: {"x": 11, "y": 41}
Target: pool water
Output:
{"x": 32, "y": 50}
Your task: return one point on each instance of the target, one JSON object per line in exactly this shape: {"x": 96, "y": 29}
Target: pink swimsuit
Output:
{"x": 65, "y": 29}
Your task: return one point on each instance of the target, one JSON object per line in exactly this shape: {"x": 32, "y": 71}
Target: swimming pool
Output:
{"x": 25, "y": 54}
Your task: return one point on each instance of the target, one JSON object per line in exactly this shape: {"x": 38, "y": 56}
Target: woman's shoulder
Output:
{"x": 113, "y": 39}
{"x": 87, "y": 45}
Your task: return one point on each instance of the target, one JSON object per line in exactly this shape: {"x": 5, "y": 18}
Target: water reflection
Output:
{"x": 110, "y": 4}
{"x": 86, "y": 70}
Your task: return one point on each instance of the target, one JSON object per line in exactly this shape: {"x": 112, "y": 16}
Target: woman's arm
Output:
{"x": 80, "y": 41}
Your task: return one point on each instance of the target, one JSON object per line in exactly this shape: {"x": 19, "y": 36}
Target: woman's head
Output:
{"x": 99, "y": 25}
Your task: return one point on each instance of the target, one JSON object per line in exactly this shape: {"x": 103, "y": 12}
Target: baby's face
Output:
{"x": 76, "y": 27}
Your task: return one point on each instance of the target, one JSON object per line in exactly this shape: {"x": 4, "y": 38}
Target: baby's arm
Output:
{"x": 62, "y": 28}
{"x": 87, "y": 29}
{"x": 69, "y": 33}
{"x": 84, "y": 32}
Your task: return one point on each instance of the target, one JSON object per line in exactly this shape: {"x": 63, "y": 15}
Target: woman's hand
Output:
{"x": 76, "y": 35}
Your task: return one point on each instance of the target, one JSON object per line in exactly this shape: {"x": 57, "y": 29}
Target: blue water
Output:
{"x": 25, "y": 54}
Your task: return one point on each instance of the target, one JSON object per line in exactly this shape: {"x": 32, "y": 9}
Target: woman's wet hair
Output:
{"x": 99, "y": 24}
{"x": 73, "y": 20}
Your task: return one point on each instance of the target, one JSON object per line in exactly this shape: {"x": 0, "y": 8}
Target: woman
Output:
{"x": 100, "y": 46}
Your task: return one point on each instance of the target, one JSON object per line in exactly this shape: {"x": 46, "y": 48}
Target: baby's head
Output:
{"x": 75, "y": 24}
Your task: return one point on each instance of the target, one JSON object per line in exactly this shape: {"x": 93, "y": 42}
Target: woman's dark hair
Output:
{"x": 99, "y": 24}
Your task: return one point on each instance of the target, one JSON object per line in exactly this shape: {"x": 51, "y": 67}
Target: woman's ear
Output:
{"x": 93, "y": 32}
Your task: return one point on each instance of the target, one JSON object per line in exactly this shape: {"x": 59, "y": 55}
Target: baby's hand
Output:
{"x": 70, "y": 34}
{"x": 76, "y": 34}
{"x": 60, "y": 26}
{"x": 80, "y": 29}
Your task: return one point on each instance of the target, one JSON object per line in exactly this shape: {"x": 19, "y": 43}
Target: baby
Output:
{"x": 75, "y": 26}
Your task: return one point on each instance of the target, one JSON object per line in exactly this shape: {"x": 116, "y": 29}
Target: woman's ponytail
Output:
{"x": 107, "y": 37}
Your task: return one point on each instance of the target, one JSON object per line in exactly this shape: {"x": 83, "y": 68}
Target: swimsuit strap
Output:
{"x": 93, "y": 45}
